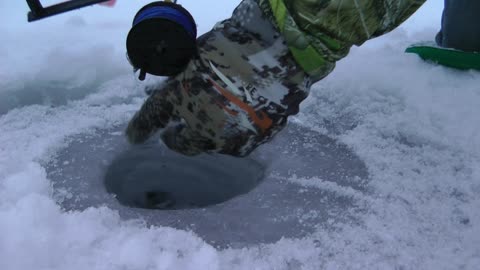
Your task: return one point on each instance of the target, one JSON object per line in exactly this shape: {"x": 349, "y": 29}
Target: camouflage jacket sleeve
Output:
{"x": 320, "y": 32}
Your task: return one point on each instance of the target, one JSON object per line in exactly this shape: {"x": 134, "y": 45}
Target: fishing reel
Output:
{"x": 162, "y": 39}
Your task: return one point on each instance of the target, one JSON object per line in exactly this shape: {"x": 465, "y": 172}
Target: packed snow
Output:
{"x": 380, "y": 170}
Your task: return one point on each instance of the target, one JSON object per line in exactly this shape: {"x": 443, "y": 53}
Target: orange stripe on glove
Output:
{"x": 263, "y": 121}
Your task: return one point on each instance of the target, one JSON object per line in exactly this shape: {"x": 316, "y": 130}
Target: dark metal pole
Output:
{"x": 35, "y": 6}
{"x": 39, "y": 12}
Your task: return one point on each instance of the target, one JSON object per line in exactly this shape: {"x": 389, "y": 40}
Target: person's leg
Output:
{"x": 439, "y": 36}
{"x": 460, "y": 25}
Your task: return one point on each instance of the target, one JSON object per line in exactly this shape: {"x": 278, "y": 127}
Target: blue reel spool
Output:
{"x": 162, "y": 39}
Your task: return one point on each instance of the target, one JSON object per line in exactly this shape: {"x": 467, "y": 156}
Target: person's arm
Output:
{"x": 250, "y": 76}
{"x": 320, "y": 32}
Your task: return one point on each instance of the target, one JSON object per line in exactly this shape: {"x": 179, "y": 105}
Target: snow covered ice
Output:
{"x": 380, "y": 170}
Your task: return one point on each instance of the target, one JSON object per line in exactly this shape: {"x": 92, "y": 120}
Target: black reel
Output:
{"x": 162, "y": 39}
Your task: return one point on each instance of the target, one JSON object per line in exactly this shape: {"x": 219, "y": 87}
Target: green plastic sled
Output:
{"x": 429, "y": 51}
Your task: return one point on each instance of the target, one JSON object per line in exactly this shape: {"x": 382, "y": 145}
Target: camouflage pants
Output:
{"x": 248, "y": 76}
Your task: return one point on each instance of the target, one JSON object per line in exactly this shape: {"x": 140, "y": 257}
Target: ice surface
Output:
{"x": 411, "y": 129}
{"x": 273, "y": 208}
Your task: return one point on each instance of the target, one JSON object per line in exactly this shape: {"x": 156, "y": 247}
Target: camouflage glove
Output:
{"x": 235, "y": 95}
